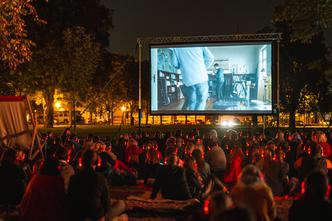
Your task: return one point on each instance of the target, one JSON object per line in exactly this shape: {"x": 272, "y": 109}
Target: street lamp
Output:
{"x": 57, "y": 104}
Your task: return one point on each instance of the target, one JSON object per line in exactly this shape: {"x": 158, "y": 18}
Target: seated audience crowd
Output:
{"x": 234, "y": 177}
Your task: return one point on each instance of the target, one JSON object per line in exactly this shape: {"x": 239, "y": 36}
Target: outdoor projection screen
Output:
{"x": 212, "y": 78}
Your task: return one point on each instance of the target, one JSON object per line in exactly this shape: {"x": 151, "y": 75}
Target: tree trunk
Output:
{"x": 255, "y": 121}
{"x": 74, "y": 114}
{"x": 108, "y": 108}
{"x": 132, "y": 119}
{"x": 147, "y": 114}
{"x": 49, "y": 99}
{"x": 44, "y": 114}
{"x": 315, "y": 117}
{"x": 292, "y": 125}
{"x": 71, "y": 115}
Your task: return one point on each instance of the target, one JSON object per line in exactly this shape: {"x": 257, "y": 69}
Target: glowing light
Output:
{"x": 228, "y": 123}
{"x": 68, "y": 156}
{"x": 123, "y": 108}
{"x": 206, "y": 207}
{"x": 274, "y": 157}
{"x": 302, "y": 188}
{"x": 328, "y": 190}
{"x": 80, "y": 162}
{"x": 99, "y": 162}
{"x": 57, "y": 104}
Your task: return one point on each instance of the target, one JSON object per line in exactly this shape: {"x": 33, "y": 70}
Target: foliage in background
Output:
{"x": 302, "y": 67}
{"x": 80, "y": 60}
{"x": 50, "y": 64}
{"x": 15, "y": 45}
{"x": 306, "y": 18}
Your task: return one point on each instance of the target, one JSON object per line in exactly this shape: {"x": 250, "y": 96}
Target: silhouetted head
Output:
{"x": 9, "y": 156}
{"x": 50, "y": 167}
{"x": 250, "y": 175}
{"x": 89, "y": 158}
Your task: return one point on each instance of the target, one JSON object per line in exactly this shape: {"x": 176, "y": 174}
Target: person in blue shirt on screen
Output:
{"x": 193, "y": 63}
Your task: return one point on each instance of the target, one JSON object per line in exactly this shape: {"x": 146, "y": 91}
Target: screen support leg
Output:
{"x": 278, "y": 82}
{"x": 139, "y": 84}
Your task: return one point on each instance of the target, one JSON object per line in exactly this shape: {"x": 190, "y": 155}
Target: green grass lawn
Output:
{"x": 114, "y": 131}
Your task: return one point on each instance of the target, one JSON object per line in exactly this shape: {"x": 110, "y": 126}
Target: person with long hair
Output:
{"x": 194, "y": 179}
{"x": 44, "y": 198}
{"x": 235, "y": 163}
{"x": 251, "y": 191}
{"x": 202, "y": 165}
{"x": 322, "y": 140}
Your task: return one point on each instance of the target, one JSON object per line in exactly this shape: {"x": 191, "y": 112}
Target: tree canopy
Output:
{"x": 306, "y": 18}
{"x": 15, "y": 45}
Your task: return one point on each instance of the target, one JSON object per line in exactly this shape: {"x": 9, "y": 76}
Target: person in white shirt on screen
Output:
{"x": 193, "y": 63}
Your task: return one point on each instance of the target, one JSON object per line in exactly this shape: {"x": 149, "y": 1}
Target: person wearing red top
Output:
{"x": 322, "y": 140}
{"x": 132, "y": 152}
{"x": 44, "y": 198}
{"x": 235, "y": 165}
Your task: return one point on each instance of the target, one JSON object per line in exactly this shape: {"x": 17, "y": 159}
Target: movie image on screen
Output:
{"x": 222, "y": 78}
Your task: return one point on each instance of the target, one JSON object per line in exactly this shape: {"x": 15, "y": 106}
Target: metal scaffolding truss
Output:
{"x": 212, "y": 38}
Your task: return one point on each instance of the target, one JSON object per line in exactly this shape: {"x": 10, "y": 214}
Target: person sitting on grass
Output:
{"x": 12, "y": 178}
{"x": 88, "y": 193}
{"x": 252, "y": 192}
{"x": 172, "y": 182}
{"x": 313, "y": 205}
{"x": 44, "y": 198}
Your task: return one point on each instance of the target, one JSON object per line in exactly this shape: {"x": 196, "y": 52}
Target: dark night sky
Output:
{"x": 149, "y": 18}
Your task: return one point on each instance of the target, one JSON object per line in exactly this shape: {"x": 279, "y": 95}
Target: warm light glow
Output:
{"x": 228, "y": 123}
{"x": 123, "y": 108}
{"x": 206, "y": 207}
{"x": 57, "y": 104}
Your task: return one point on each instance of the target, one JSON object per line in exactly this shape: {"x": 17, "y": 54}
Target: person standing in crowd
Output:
{"x": 12, "y": 179}
{"x": 313, "y": 205}
{"x": 193, "y": 63}
{"x": 251, "y": 191}
{"x": 88, "y": 193}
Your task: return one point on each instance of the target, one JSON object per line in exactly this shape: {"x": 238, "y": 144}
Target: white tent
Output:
{"x": 13, "y": 122}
